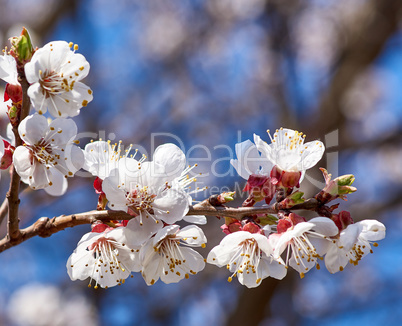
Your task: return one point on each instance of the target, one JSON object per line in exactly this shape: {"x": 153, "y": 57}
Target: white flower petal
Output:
{"x": 195, "y": 219}
{"x": 171, "y": 206}
{"x": 22, "y": 162}
{"x": 59, "y": 184}
{"x": 324, "y": 226}
{"x": 33, "y": 128}
{"x": 172, "y": 158}
{"x": 312, "y": 153}
{"x": 335, "y": 259}
{"x": 138, "y": 234}
{"x": 372, "y": 230}
{"x": 192, "y": 235}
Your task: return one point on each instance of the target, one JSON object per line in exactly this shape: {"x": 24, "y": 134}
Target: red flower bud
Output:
{"x": 13, "y": 92}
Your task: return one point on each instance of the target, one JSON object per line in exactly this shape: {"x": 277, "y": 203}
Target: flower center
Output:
{"x": 107, "y": 261}
{"x": 169, "y": 250}
{"x": 43, "y": 153}
{"x": 140, "y": 198}
{"x": 53, "y": 83}
{"x": 246, "y": 259}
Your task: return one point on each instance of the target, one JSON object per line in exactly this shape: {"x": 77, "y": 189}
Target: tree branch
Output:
{"x": 45, "y": 227}
{"x": 3, "y": 210}
{"x": 13, "y": 192}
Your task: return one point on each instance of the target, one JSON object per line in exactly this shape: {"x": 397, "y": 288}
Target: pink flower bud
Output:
{"x": 283, "y": 225}
{"x": 13, "y": 92}
{"x": 251, "y": 227}
{"x": 296, "y": 219}
{"x": 7, "y": 158}
{"x": 342, "y": 220}
{"x": 259, "y": 187}
{"x": 98, "y": 185}
{"x": 287, "y": 179}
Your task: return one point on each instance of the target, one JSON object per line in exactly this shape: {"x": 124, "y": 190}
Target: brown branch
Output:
{"x": 45, "y": 227}
{"x": 13, "y": 192}
{"x": 3, "y": 210}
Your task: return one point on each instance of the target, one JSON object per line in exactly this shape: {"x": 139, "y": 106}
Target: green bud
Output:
{"x": 21, "y": 46}
{"x": 267, "y": 220}
{"x": 345, "y": 180}
{"x": 292, "y": 200}
{"x": 296, "y": 198}
{"x": 336, "y": 188}
{"x": 228, "y": 196}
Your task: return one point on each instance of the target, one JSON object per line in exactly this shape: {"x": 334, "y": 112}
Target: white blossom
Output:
{"x": 249, "y": 257}
{"x": 249, "y": 161}
{"x": 103, "y": 257}
{"x": 102, "y": 157}
{"x": 353, "y": 243}
{"x": 8, "y": 69}
{"x": 48, "y": 156}
{"x": 167, "y": 255}
{"x": 306, "y": 241}
{"x": 147, "y": 190}
{"x": 288, "y": 151}
{"x": 54, "y": 73}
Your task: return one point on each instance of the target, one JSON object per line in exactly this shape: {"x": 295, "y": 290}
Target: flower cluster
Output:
{"x": 156, "y": 195}
{"x": 47, "y": 154}
{"x": 261, "y": 245}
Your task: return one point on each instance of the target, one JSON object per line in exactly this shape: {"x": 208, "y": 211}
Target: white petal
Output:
{"x": 171, "y": 205}
{"x": 193, "y": 235}
{"x": 172, "y": 158}
{"x": 58, "y": 52}
{"x": 194, "y": 263}
{"x": 8, "y": 69}
{"x": 75, "y": 159}
{"x": 79, "y": 96}
{"x": 59, "y": 184}
{"x": 37, "y": 98}
{"x": 324, "y": 226}
{"x": 336, "y": 258}
{"x": 263, "y": 243}
{"x": 302, "y": 265}
{"x": 65, "y": 131}
{"x": 41, "y": 177}
{"x": 195, "y": 219}
{"x": 138, "y": 234}
{"x": 59, "y": 108}
{"x": 1, "y": 147}
{"x": 241, "y": 171}
{"x": 78, "y": 64}
{"x": 273, "y": 268}
{"x": 33, "y": 128}
{"x": 116, "y": 196}
{"x": 372, "y": 230}
{"x": 22, "y": 162}
{"x": 164, "y": 232}
{"x": 80, "y": 264}
{"x": 249, "y": 160}
{"x": 152, "y": 266}
{"x": 349, "y": 236}
{"x": 264, "y": 148}
{"x": 312, "y": 153}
